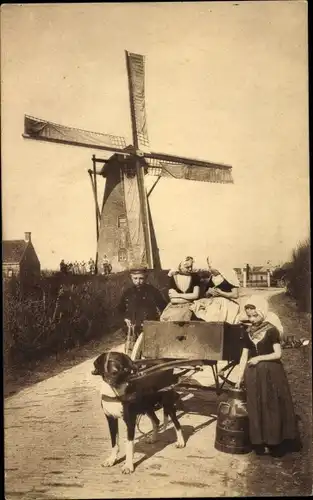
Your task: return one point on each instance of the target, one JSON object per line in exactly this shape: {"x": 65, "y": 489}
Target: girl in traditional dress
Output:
{"x": 272, "y": 420}
{"x": 222, "y": 292}
{"x": 184, "y": 288}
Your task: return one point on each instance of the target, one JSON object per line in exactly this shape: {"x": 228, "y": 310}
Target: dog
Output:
{"x": 123, "y": 400}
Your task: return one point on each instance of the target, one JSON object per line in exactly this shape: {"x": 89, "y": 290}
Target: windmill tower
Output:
{"x": 125, "y": 232}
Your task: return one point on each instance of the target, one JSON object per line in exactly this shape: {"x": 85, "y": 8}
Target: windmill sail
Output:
{"x": 141, "y": 238}
{"x": 136, "y": 76}
{"x": 35, "y": 128}
{"x": 188, "y": 169}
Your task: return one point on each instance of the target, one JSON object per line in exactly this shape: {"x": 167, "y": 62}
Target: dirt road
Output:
{"x": 56, "y": 440}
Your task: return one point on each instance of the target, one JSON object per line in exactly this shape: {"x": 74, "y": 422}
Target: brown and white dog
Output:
{"x": 120, "y": 401}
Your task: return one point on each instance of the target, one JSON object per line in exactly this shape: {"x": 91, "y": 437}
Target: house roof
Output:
{"x": 13, "y": 250}
{"x": 259, "y": 269}
{"x": 237, "y": 269}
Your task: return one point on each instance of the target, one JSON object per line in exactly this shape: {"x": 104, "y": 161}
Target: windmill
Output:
{"x": 125, "y": 233}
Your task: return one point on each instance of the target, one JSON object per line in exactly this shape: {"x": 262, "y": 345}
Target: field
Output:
{"x": 38, "y": 324}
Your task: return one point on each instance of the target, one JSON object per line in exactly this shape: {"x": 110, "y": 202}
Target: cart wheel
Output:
{"x": 225, "y": 372}
{"x": 137, "y": 349}
{"x": 226, "y": 380}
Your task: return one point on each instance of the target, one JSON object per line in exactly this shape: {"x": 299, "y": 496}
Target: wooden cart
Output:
{"x": 182, "y": 346}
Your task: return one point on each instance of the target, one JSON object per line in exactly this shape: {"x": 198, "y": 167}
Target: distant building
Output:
{"x": 253, "y": 276}
{"x": 19, "y": 259}
{"x": 258, "y": 275}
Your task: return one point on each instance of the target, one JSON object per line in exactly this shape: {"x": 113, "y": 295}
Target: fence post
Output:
{"x": 268, "y": 278}
{"x": 244, "y": 272}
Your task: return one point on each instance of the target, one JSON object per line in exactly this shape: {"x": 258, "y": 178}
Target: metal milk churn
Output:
{"x": 232, "y": 428}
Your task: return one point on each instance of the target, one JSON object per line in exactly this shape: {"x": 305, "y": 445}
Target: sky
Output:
{"x": 225, "y": 82}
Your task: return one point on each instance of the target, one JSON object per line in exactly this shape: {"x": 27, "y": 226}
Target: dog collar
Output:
{"x": 121, "y": 399}
{"x": 109, "y": 399}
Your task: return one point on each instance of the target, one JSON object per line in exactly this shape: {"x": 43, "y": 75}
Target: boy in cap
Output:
{"x": 140, "y": 302}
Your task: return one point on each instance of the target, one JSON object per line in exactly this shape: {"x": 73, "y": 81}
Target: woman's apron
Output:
{"x": 178, "y": 312}
{"x": 216, "y": 309}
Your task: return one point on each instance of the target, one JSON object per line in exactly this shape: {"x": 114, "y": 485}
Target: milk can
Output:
{"x": 232, "y": 428}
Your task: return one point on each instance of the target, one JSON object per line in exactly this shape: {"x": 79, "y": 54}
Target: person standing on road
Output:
{"x": 272, "y": 420}
{"x": 69, "y": 266}
{"x": 140, "y": 302}
{"x": 63, "y": 267}
{"x": 91, "y": 265}
{"x": 106, "y": 266}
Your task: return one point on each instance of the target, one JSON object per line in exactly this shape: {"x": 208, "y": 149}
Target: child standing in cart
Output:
{"x": 140, "y": 302}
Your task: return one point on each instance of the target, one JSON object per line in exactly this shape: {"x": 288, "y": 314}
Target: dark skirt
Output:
{"x": 272, "y": 419}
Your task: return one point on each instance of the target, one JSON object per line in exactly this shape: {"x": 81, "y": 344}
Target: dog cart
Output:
{"x": 165, "y": 346}
{"x": 166, "y": 351}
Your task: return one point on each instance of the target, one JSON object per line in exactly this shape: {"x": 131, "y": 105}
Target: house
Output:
{"x": 258, "y": 275}
{"x": 19, "y": 259}
{"x": 253, "y": 276}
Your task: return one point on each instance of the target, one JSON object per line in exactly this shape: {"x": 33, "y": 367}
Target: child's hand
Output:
{"x": 214, "y": 292}
{"x": 254, "y": 361}
{"x": 172, "y": 293}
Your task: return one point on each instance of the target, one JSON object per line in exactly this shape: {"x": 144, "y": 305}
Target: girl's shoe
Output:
{"x": 259, "y": 449}
{"x": 277, "y": 451}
